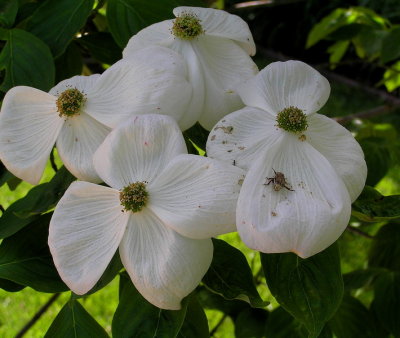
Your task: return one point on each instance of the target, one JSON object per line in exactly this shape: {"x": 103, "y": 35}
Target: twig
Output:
{"x": 381, "y": 110}
{"x": 52, "y": 161}
{"x": 37, "y": 315}
{"x": 262, "y": 3}
{"x": 216, "y": 327}
{"x": 359, "y": 232}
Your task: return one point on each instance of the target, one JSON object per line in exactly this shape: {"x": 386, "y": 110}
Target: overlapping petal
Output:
{"x": 340, "y": 148}
{"x": 82, "y": 83}
{"x": 224, "y": 65}
{"x": 79, "y": 138}
{"x": 306, "y": 220}
{"x": 163, "y": 265}
{"x": 222, "y": 24}
{"x": 197, "y": 196}
{"x": 242, "y": 136}
{"x": 151, "y": 81}
{"x": 284, "y": 84}
{"x": 29, "y": 126}
{"x": 85, "y": 232}
{"x": 137, "y": 150}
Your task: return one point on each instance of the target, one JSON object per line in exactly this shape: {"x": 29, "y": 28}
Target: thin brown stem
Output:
{"x": 359, "y": 232}
{"x": 216, "y": 327}
{"x": 377, "y": 111}
{"x": 52, "y": 161}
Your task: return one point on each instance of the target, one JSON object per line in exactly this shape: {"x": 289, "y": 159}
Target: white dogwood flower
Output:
{"x": 161, "y": 209}
{"x": 304, "y": 169}
{"x": 79, "y": 112}
{"x": 216, "y": 46}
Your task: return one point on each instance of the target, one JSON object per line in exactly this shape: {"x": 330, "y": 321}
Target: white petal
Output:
{"x": 151, "y": 81}
{"x": 85, "y": 231}
{"x": 306, "y": 220}
{"x": 29, "y": 126}
{"x": 80, "y": 82}
{"x": 284, "y": 84}
{"x": 79, "y": 138}
{"x": 138, "y": 150}
{"x": 197, "y": 196}
{"x": 344, "y": 153}
{"x": 219, "y": 23}
{"x": 242, "y": 136}
{"x": 164, "y": 266}
{"x": 155, "y": 34}
{"x": 224, "y": 66}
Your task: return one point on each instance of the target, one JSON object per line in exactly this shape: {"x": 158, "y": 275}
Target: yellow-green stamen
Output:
{"x": 134, "y": 196}
{"x": 187, "y": 26}
{"x": 70, "y": 102}
{"x": 292, "y": 119}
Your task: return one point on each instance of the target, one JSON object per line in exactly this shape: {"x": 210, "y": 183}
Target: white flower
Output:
{"x": 78, "y": 113}
{"x": 161, "y": 209}
{"x": 216, "y": 46}
{"x": 279, "y": 132}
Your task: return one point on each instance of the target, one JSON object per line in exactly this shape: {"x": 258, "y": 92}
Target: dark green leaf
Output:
{"x": 73, "y": 321}
{"x": 360, "y": 278}
{"x": 368, "y": 42}
{"x": 102, "y": 47}
{"x": 26, "y": 60}
{"x": 127, "y": 17}
{"x": 352, "y": 319}
{"x": 230, "y": 275}
{"x": 38, "y": 200}
{"x": 195, "y": 324}
{"x": 57, "y": 21}
{"x": 135, "y": 317}
{"x": 377, "y": 156}
{"x": 391, "y": 46}
{"x": 10, "y": 286}
{"x": 385, "y": 249}
{"x": 310, "y": 289}
{"x": 281, "y": 324}
{"x": 8, "y": 12}
{"x": 251, "y": 323}
{"x": 386, "y": 303}
{"x": 198, "y": 135}
{"x": 25, "y": 258}
{"x": 371, "y": 206}
{"x": 69, "y": 63}
{"x": 210, "y": 300}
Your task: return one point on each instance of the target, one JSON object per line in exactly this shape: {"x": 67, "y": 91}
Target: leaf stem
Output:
{"x": 216, "y": 327}
{"x": 359, "y": 232}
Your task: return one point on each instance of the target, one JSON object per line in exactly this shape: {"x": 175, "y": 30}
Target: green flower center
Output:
{"x": 134, "y": 196}
{"x": 70, "y": 102}
{"x": 292, "y": 119}
{"x": 187, "y": 26}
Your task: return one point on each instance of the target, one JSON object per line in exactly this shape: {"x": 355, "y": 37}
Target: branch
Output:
{"x": 37, "y": 315}
{"x": 359, "y": 232}
{"x": 261, "y": 3}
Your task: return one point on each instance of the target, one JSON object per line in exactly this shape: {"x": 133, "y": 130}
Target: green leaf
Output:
{"x": 102, "y": 47}
{"x": 368, "y": 42}
{"x": 230, "y": 275}
{"x": 74, "y": 321}
{"x": 196, "y": 323}
{"x": 251, "y": 323}
{"x": 197, "y": 135}
{"x": 39, "y": 199}
{"x": 10, "y": 286}
{"x": 136, "y": 317}
{"x": 309, "y": 289}
{"x": 8, "y": 12}
{"x": 391, "y": 45}
{"x": 70, "y": 63}
{"x": 391, "y": 78}
{"x": 352, "y": 319}
{"x": 26, "y": 60}
{"x": 25, "y": 258}
{"x": 372, "y": 206}
{"x": 337, "y": 51}
{"x": 385, "y": 249}
{"x": 342, "y": 17}
{"x": 386, "y": 303}
{"x": 281, "y": 324}
{"x": 127, "y": 17}
{"x": 360, "y": 278}
{"x": 57, "y": 21}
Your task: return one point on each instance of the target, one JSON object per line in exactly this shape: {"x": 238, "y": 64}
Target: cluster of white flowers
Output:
{"x": 279, "y": 173}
